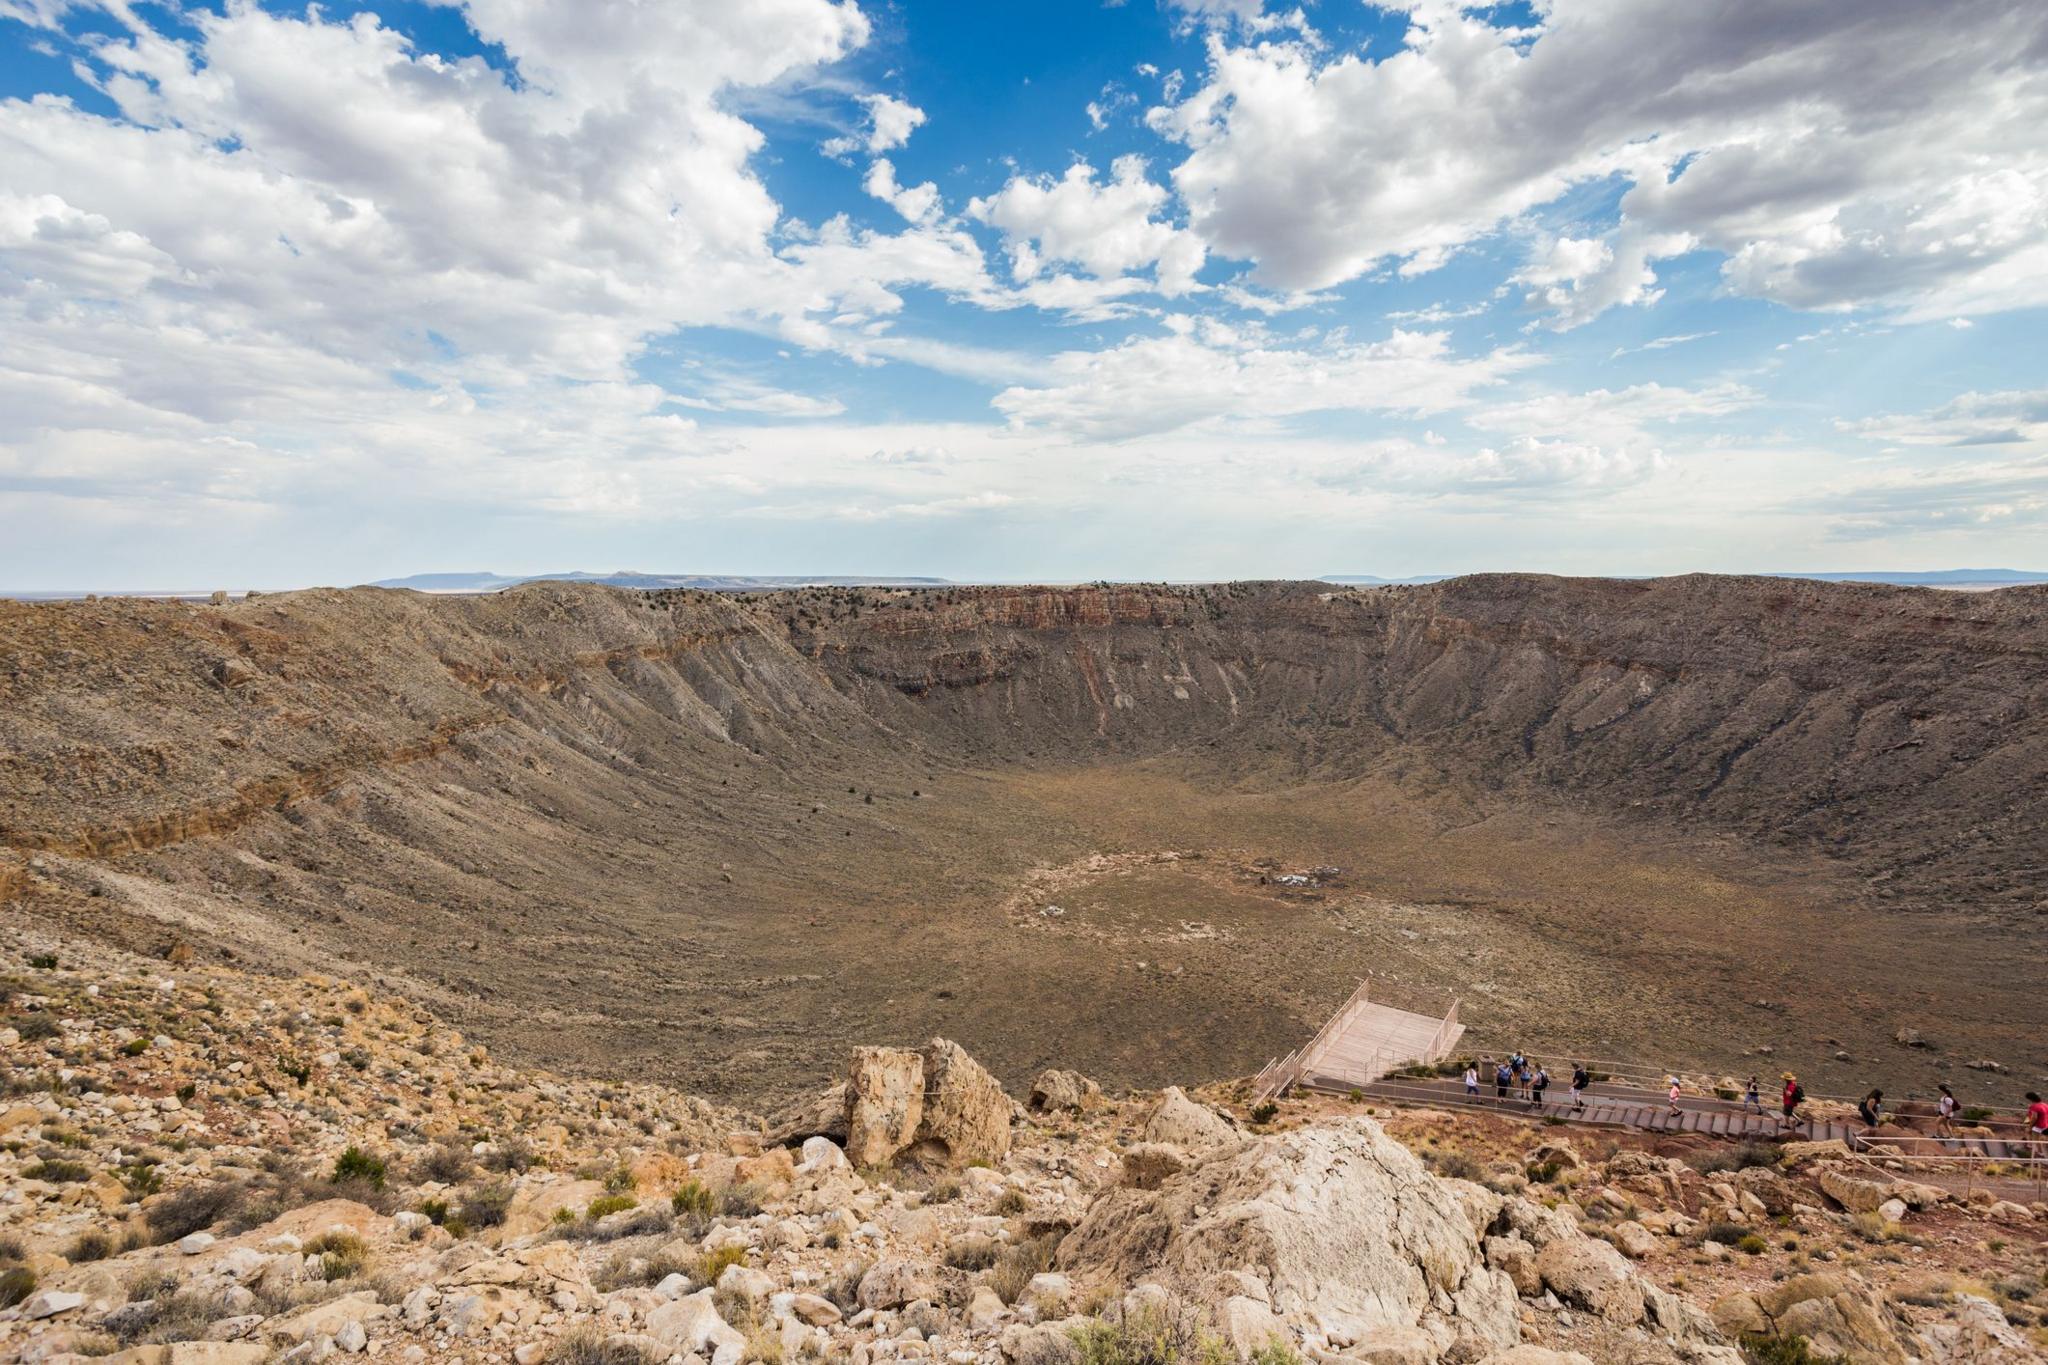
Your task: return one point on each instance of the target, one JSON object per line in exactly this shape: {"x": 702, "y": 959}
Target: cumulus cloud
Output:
{"x": 890, "y": 122}
{"x": 1107, "y": 228}
{"x": 1843, "y": 153}
{"x": 2008, "y": 417}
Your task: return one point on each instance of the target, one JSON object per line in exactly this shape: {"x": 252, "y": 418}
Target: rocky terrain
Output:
{"x": 689, "y": 835}
{"x": 204, "y": 1167}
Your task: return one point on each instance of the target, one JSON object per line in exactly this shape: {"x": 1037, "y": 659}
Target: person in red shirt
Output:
{"x": 2037, "y": 1114}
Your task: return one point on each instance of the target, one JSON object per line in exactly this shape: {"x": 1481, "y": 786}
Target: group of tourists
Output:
{"x": 1518, "y": 1077}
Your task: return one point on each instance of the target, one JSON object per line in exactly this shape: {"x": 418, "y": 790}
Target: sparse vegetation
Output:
{"x": 16, "y": 1283}
{"x": 355, "y": 1164}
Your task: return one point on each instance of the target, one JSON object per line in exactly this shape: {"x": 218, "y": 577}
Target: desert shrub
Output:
{"x": 740, "y": 1201}
{"x": 591, "y": 1346}
{"x": 299, "y": 1070}
{"x": 626, "y": 1270}
{"x": 1874, "y": 1227}
{"x": 484, "y": 1207}
{"x": 1542, "y": 1172}
{"x": 187, "y": 1092}
{"x": 712, "y": 1264}
{"x": 1975, "y": 1113}
{"x": 91, "y": 1245}
{"x": 11, "y": 1249}
{"x": 608, "y": 1204}
{"x": 142, "y": 1178}
{"x": 355, "y": 1164}
{"x": 691, "y": 1200}
{"x": 16, "y": 1284}
{"x": 446, "y": 1164}
{"x": 619, "y": 1180}
{"x": 509, "y": 1157}
{"x": 135, "y": 1047}
{"x": 1172, "y": 1336}
{"x": 1264, "y": 1111}
{"x": 1015, "y": 1267}
{"x": 192, "y": 1209}
{"x": 1454, "y": 1165}
{"x": 1011, "y": 1202}
{"x": 342, "y": 1254}
{"x": 37, "y": 1027}
{"x": 59, "y": 1172}
{"x": 1735, "y": 1157}
{"x": 1726, "y": 1233}
{"x": 43, "y": 962}
{"x": 943, "y": 1191}
{"x": 1749, "y": 1244}
{"x": 764, "y": 1345}
{"x": 435, "y": 1211}
{"x": 1759, "y": 1349}
{"x": 973, "y": 1252}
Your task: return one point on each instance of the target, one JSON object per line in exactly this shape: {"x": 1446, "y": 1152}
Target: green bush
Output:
{"x": 1264, "y": 1111}
{"x": 691, "y": 1200}
{"x": 43, "y": 962}
{"x": 591, "y": 1346}
{"x": 1975, "y": 1113}
{"x": 1759, "y": 1349}
{"x": 712, "y": 1264}
{"x": 135, "y": 1047}
{"x": 341, "y": 1253}
{"x": 1751, "y": 1245}
{"x": 299, "y": 1070}
{"x": 608, "y": 1204}
{"x": 619, "y": 1180}
{"x": 1150, "y": 1337}
{"x": 485, "y": 1207}
{"x": 357, "y": 1164}
{"x": 59, "y": 1172}
{"x": 16, "y": 1284}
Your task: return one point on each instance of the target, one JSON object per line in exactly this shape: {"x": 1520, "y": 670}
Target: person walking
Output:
{"x": 1752, "y": 1098}
{"x": 1871, "y": 1109}
{"x": 1538, "y": 1083}
{"x": 2037, "y": 1119}
{"x": 1675, "y": 1091}
{"x": 1580, "y": 1080}
{"x": 1521, "y": 1068}
{"x": 1945, "y": 1112}
{"x": 1794, "y": 1096}
{"x": 1503, "y": 1077}
{"x": 1471, "y": 1081}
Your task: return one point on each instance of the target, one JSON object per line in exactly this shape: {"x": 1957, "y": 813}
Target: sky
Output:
{"x": 1149, "y": 289}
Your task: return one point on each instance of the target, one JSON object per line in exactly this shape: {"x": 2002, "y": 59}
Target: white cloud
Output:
{"x": 1108, "y": 229}
{"x": 1835, "y": 154}
{"x": 2010, "y": 417}
{"x": 1206, "y": 372}
{"x": 918, "y": 203}
{"x": 890, "y": 122}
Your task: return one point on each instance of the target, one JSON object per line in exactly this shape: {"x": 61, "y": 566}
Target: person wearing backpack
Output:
{"x": 1538, "y": 1083}
{"x": 1503, "y": 1077}
{"x": 1752, "y": 1097}
{"x": 1795, "y": 1095}
{"x": 1581, "y": 1078}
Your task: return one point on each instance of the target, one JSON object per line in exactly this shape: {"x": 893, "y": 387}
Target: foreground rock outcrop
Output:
{"x": 1334, "y": 1234}
{"x": 204, "y": 1168}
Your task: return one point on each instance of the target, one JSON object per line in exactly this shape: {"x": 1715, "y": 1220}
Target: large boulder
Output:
{"x": 1838, "y": 1314}
{"x": 1979, "y": 1335}
{"x": 1063, "y": 1091}
{"x": 1592, "y": 1275}
{"x": 1338, "y": 1228}
{"x": 966, "y": 1114}
{"x": 936, "y": 1104}
{"x": 885, "y": 1103}
{"x": 1179, "y": 1122}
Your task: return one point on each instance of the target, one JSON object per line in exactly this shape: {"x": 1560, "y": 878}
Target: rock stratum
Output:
{"x": 560, "y": 812}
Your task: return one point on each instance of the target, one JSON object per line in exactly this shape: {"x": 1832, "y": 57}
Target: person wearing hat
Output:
{"x": 1795, "y": 1095}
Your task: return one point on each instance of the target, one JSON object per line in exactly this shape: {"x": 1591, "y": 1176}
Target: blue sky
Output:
{"x": 1159, "y": 289}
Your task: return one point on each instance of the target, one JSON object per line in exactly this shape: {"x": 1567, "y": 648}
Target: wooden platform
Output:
{"x": 1363, "y": 1041}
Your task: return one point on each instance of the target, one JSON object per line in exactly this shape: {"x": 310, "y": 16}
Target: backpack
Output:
{"x": 1798, "y": 1094}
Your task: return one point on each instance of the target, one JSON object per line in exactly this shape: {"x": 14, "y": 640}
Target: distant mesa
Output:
{"x": 631, "y": 578}
{"x": 1931, "y": 578}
